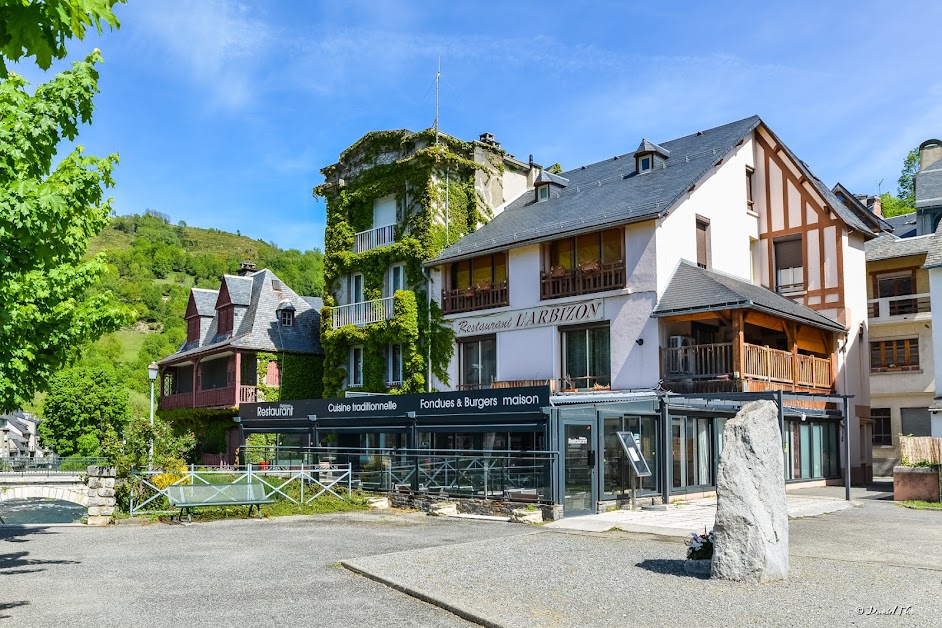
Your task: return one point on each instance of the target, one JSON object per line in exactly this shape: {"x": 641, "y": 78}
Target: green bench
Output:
{"x": 189, "y": 496}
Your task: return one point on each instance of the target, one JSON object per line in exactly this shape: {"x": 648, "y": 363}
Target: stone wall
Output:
{"x": 919, "y": 483}
{"x": 470, "y": 506}
{"x": 101, "y": 497}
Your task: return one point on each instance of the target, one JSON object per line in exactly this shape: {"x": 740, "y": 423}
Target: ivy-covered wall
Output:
{"x": 210, "y": 425}
{"x": 437, "y": 203}
{"x": 302, "y": 376}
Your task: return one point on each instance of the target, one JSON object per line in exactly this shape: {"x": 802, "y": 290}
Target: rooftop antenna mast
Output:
{"x": 438, "y": 78}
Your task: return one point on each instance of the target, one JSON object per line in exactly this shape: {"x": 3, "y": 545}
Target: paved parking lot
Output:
{"x": 287, "y": 572}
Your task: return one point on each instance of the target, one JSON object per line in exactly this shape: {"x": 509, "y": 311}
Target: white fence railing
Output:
{"x": 888, "y": 308}
{"x": 149, "y": 495}
{"x": 362, "y": 313}
{"x": 374, "y": 238}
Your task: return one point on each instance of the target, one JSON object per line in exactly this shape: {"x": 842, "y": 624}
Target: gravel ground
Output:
{"x": 276, "y": 572}
{"x": 609, "y": 579}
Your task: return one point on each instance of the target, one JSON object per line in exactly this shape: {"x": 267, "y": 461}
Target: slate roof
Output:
{"x": 929, "y": 186}
{"x": 610, "y": 193}
{"x": 860, "y": 210}
{"x": 549, "y": 177}
{"x": 934, "y": 256}
{"x": 256, "y": 324}
{"x": 650, "y": 147}
{"x": 888, "y": 246}
{"x": 205, "y": 301}
{"x": 904, "y": 225}
{"x": 694, "y": 289}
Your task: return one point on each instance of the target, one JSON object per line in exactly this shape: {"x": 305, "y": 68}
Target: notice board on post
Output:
{"x": 633, "y": 453}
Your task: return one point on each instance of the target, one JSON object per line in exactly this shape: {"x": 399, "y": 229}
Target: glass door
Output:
{"x": 579, "y": 469}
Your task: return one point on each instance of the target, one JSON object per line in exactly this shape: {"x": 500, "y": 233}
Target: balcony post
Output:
{"x": 238, "y": 377}
{"x": 739, "y": 349}
{"x": 833, "y": 345}
{"x": 196, "y": 381}
{"x": 791, "y": 332}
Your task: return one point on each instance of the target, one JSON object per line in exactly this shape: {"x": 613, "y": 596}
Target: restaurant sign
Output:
{"x": 562, "y": 314}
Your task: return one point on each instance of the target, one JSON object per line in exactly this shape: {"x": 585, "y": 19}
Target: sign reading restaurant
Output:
{"x": 563, "y": 314}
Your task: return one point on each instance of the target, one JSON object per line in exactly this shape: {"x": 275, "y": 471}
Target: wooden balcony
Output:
{"x": 362, "y": 313}
{"x": 586, "y": 279}
{"x": 248, "y": 394}
{"x": 215, "y": 397}
{"x": 709, "y": 368}
{"x": 374, "y": 238}
{"x": 212, "y": 398}
{"x": 179, "y": 400}
{"x": 480, "y": 297}
{"x": 894, "y": 309}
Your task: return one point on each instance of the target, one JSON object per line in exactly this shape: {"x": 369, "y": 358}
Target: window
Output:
{"x": 478, "y": 362}
{"x": 749, "y": 177}
{"x": 394, "y": 366}
{"x": 193, "y": 329}
{"x": 789, "y": 268}
{"x": 586, "y": 358}
{"x": 881, "y": 426}
{"x": 644, "y": 163}
{"x": 703, "y": 242}
{"x": 225, "y": 317}
{"x": 287, "y": 318}
{"x": 482, "y": 273}
{"x": 600, "y": 247}
{"x": 916, "y": 421}
{"x": 356, "y": 288}
{"x": 894, "y": 355}
{"x": 397, "y": 278}
{"x": 355, "y": 372}
{"x": 893, "y": 285}
{"x": 542, "y": 193}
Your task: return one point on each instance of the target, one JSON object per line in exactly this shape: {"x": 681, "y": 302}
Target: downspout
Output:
{"x": 428, "y": 335}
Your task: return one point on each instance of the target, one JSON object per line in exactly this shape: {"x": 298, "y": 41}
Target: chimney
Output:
{"x": 488, "y": 138}
{"x": 876, "y": 205}
{"x": 930, "y": 152}
{"x": 246, "y": 268}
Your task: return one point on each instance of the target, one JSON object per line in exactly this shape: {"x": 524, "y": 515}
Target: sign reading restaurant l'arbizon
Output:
{"x": 567, "y": 314}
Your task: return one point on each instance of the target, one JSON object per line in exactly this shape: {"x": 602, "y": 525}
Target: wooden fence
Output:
{"x": 920, "y": 449}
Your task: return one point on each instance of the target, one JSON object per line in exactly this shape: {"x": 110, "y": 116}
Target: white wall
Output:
{"x": 720, "y": 197}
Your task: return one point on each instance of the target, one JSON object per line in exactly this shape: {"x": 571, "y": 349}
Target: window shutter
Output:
{"x": 702, "y": 244}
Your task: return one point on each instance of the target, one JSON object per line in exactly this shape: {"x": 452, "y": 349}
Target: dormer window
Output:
{"x": 649, "y": 156}
{"x": 542, "y": 193}
{"x": 547, "y": 180}
{"x": 644, "y": 163}
{"x": 287, "y": 318}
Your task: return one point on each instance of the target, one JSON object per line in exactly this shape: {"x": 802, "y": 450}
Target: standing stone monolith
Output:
{"x": 751, "y": 542}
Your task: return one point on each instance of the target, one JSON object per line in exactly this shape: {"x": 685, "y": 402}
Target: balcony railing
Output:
{"x": 583, "y": 383}
{"x": 374, "y": 238}
{"x": 480, "y": 297}
{"x": 511, "y": 383}
{"x": 248, "y": 394}
{"x": 216, "y": 397}
{"x": 588, "y": 278}
{"x": 887, "y": 308}
{"x": 362, "y": 313}
{"x": 178, "y": 400}
{"x": 715, "y": 361}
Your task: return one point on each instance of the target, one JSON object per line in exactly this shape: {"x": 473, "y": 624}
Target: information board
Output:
{"x": 633, "y": 453}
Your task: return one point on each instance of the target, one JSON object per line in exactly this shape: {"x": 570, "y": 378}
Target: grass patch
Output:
{"x": 131, "y": 342}
{"x": 323, "y": 505}
{"x": 916, "y": 504}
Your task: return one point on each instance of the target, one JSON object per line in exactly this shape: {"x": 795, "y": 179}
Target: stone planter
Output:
{"x": 919, "y": 483}
{"x": 522, "y": 515}
{"x": 700, "y": 567}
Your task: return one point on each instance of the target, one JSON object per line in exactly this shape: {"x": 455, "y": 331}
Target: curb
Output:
{"x": 428, "y": 599}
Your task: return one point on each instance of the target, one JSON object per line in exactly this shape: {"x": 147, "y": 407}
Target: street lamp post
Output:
{"x": 152, "y": 371}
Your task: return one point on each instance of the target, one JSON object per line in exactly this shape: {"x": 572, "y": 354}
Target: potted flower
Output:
{"x": 699, "y": 553}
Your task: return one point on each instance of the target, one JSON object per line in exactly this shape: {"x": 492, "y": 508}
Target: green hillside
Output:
{"x": 152, "y": 264}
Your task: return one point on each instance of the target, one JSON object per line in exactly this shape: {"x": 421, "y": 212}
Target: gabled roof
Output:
{"x": 854, "y": 204}
{"x": 205, "y": 301}
{"x": 934, "y": 256}
{"x": 650, "y": 147}
{"x": 610, "y": 193}
{"x": 888, "y": 246}
{"x": 259, "y": 328}
{"x": 549, "y": 177}
{"x": 904, "y": 225}
{"x": 693, "y": 289}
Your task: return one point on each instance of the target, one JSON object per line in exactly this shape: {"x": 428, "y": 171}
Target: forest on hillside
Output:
{"x": 152, "y": 264}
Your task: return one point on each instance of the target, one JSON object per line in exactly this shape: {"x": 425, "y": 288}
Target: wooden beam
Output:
{"x": 700, "y": 316}
{"x": 765, "y": 320}
{"x": 791, "y": 330}
{"x": 739, "y": 349}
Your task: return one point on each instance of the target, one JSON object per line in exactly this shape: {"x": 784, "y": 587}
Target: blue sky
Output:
{"x": 224, "y": 112}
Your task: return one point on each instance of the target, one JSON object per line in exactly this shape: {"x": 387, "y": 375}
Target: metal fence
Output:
{"x": 49, "y": 465}
{"x": 299, "y": 484}
{"x": 483, "y": 474}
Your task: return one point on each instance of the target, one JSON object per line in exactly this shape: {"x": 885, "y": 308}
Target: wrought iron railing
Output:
{"x": 362, "y": 313}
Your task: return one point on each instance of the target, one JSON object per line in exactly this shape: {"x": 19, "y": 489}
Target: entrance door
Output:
{"x": 579, "y": 469}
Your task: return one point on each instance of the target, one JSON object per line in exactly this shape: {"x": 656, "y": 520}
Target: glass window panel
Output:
{"x": 615, "y": 474}
{"x": 611, "y": 246}
{"x": 600, "y": 362}
{"x": 482, "y": 271}
{"x": 488, "y": 360}
{"x": 816, "y": 432}
{"x": 561, "y": 253}
{"x": 500, "y": 267}
{"x": 805, "y": 436}
{"x": 895, "y": 286}
{"x": 461, "y": 275}
{"x": 576, "y": 355}
{"x": 587, "y": 249}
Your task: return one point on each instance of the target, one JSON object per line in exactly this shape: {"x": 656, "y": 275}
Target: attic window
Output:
{"x": 645, "y": 163}
{"x": 287, "y": 318}
{"x": 276, "y": 284}
{"x": 542, "y": 193}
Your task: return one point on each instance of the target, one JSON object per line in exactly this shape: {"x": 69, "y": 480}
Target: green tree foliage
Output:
{"x": 40, "y": 29}
{"x": 905, "y": 200}
{"x": 47, "y": 217}
{"x": 84, "y": 404}
{"x": 555, "y": 168}
{"x": 130, "y": 449}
